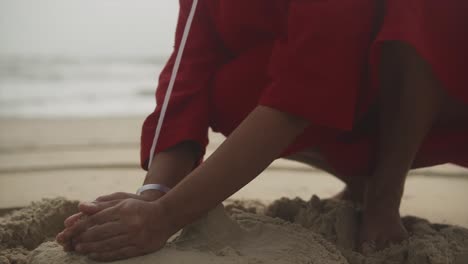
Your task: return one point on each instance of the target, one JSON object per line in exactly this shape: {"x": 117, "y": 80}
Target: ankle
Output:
{"x": 382, "y": 202}
{"x": 383, "y": 198}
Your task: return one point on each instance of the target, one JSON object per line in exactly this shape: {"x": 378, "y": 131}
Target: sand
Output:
{"x": 25, "y": 229}
{"x": 245, "y": 238}
{"x": 338, "y": 222}
{"x": 287, "y": 231}
{"x": 83, "y": 158}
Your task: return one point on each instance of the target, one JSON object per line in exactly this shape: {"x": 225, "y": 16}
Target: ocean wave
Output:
{"x": 61, "y": 68}
{"x": 58, "y": 86}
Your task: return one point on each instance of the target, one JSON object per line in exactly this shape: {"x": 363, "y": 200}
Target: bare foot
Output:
{"x": 381, "y": 223}
{"x": 380, "y": 229}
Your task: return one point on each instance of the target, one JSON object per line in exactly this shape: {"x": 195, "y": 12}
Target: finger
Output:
{"x": 110, "y": 244}
{"x": 123, "y": 253}
{"x": 116, "y": 196}
{"x": 68, "y": 234}
{"x": 107, "y": 215}
{"x": 68, "y": 247}
{"x": 101, "y": 232}
{"x": 71, "y": 220}
{"x": 63, "y": 239}
{"x": 59, "y": 238}
{"x": 94, "y": 207}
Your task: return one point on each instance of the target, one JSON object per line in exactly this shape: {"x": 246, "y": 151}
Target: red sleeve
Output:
{"x": 187, "y": 117}
{"x": 319, "y": 60}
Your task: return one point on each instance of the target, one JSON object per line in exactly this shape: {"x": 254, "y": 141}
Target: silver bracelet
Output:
{"x": 158, "y": 187}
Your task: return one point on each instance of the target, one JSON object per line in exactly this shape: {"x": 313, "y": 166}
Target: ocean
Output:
{"x": 67, "y": 87}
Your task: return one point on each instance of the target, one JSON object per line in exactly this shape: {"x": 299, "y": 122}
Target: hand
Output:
{"x": 130, "y": 228}
{"x": 65, "y": 238}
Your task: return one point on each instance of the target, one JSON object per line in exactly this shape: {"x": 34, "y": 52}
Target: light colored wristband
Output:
{"x": 158, "y": 187}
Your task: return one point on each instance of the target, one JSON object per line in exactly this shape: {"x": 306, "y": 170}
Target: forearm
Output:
{"x": 258, "y": 141}
{"x": 172, "y": 166}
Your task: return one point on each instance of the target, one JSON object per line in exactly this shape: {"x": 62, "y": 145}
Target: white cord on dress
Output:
{"x": 172, "y": 80}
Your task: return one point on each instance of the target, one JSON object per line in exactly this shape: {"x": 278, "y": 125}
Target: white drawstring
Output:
{"x": 172, "y": 80}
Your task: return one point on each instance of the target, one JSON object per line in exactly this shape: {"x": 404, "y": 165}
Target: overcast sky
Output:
{"x": 87, "y": 27}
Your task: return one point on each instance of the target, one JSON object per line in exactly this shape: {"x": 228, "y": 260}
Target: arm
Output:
{"x": 144, "y": 227}
{"x": 170, "y": 167}
{"x": 249, "y": 150}
{"x": 185, "y": 131}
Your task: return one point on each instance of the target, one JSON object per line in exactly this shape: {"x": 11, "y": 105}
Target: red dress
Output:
{"x": 308, "y": 58}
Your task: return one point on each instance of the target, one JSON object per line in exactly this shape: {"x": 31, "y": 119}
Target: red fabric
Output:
{"x": 438, "y": 30}
{"x": 321, "y": 60}
{"x": 188, "y": 115}
{"x": 308, "y": 58}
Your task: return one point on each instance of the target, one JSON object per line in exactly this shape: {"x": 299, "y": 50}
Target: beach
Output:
{"x": 84, "y": 158}
{"x": 77, "y": 80}
{"x": 70, "y": 131}
{"x": 81, "y": 158}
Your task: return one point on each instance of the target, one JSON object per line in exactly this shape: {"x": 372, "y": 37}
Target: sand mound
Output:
{"x": 249, "y": 206}
{"x": 321, "y": 231}
{"x": 219, "y": 239}
{"x": 338, "y": 222}
{"x": 25, "y": 229}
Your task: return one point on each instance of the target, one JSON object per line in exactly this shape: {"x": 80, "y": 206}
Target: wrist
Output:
{"x": 163, "y": 210}
{"x": 152, "y": 195}
{"x": 171, "y": 166}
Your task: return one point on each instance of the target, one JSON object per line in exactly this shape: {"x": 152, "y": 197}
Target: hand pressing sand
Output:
{"x": 219, "y": 239}
{"x": 322, "y": 231}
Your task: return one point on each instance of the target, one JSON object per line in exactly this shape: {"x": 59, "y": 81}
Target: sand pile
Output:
{"x": 248, "y": 238}
{"x": 337, "y": 222}
{"x": 315, "y": 231}
{"x": 25, "y": 229}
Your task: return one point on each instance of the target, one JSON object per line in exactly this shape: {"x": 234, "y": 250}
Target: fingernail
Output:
{"x": 89, "y": 204}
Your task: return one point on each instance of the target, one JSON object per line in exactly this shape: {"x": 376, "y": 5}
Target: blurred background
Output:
{"x": 77, "y": 79}
{"x": 68, "y": 58}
